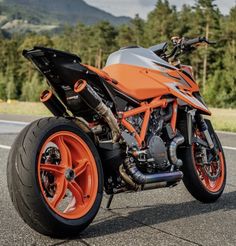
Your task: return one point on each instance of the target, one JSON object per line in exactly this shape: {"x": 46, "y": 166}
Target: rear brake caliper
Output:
{"x": 52, "y": 156}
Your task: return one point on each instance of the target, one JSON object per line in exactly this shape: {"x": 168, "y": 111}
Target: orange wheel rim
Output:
{"x": 211, "y": 185}
{"x": 67, "y": 175}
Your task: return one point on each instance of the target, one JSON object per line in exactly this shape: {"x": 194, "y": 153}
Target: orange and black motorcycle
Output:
{"x": 135, "y": 125}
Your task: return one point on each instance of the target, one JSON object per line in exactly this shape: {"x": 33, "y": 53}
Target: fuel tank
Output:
{"x": 142, "y": 74}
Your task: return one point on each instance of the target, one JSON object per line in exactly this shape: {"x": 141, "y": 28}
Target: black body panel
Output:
{"x": 62, "y": 71}
{"x": 159, "y": 49}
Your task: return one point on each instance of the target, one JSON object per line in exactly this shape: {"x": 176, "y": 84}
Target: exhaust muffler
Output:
{"x": 94, "y": 101}
{"x": 141, "y": 178}
{"x": 53, "y": 104}
{"x": 158, "y": 181}
{"x": 140, "y": 181}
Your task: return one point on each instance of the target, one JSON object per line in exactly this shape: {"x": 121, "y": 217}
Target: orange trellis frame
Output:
{"x": 147, "y": 108}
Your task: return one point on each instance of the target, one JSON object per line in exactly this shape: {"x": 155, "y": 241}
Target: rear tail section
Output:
{"x": 62, "y": 70}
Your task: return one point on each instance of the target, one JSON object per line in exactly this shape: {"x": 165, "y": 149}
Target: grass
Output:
{"x": 24, "y": 108}
{"x": 222, "y": 119}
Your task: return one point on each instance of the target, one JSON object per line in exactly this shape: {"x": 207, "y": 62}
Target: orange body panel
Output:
{"x": 101, "y": 73}
{"x": 143, "y": 83}
{"x": 135, "y": 81}
{"x": 188, "y": 69}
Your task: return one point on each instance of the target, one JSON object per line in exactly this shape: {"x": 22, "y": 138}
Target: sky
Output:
{"x": 143, "y": 7}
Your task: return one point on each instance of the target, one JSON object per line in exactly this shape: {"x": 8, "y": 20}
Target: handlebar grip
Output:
{"x": 194, "y": 41}
{"x": 211, "y": 42}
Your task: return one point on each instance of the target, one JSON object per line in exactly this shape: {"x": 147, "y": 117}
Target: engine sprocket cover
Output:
{"x": 158, "y": 152}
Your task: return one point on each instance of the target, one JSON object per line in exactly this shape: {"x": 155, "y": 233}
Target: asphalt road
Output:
{"x": 157, "y": 217}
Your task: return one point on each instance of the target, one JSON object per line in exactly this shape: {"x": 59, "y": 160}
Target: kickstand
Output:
{"x": 109, "y": 201}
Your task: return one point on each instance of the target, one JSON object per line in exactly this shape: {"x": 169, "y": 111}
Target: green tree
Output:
{"x": 3, "y": 95}
{"x": 32, "y": 89}
{"x": 215, "y": 65}
{"x": 137, "y": 26}
{"x": 26, "y": 70}
{"x": 222, "y": 82}
{"x": 125, "y": 36}
{"x": 10, "y": 86}
{"x": 161, "y": 23}
{"x": 103, "y": 42}
{"x": 185, "y": 22}
{"x": 132, "y": 33}
{"x": 207, "y": 23}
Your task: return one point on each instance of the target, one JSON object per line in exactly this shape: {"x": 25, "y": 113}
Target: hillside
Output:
{"x": 48, "y": 14}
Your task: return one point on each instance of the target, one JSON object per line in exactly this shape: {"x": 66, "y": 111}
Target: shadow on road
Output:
{"x": 154, "y": 215}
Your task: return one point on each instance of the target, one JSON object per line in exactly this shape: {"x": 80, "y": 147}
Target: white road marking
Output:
{"x": 26, "y": 123}
{"x": 14, "y": 122}
{"x": 226, "y": 133}
{"x": 5, "y": 147}
{"x": 229, "y": 148}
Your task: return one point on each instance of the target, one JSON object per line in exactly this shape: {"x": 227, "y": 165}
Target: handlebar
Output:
{"x": 190, "y": 42}
{"x": 181, "y": 45}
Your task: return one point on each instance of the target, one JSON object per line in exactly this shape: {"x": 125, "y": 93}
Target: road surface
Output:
{"x": 157, "y": 217}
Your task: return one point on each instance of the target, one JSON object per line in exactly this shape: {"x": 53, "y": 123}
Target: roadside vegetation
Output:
{"x": 24, "y": 108}
{"x": 214, "y": 67}
{"x": 223, "y": 119}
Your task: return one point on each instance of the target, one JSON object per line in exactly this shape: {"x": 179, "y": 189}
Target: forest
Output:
{"x": 214, "y": 66}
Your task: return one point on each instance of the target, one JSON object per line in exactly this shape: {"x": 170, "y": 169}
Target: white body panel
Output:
{"x": 138, "y": 57}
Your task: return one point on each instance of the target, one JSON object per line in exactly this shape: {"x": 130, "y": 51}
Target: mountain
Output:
{"x": 50, "y": 14}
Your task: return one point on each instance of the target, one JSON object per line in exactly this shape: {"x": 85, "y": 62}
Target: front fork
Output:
{"x": 203, "y": 127}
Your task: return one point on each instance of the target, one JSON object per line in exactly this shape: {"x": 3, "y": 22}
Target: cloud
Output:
{"x": 125, "y": 7}
{"x": 147, "y": 2}
{"x": 143, "y": 7}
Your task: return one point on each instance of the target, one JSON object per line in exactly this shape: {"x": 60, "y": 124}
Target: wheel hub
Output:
{"x": 74, "y": 175}
{"x": 70, "y": 174}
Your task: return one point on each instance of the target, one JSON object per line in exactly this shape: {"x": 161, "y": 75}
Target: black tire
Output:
{"x": 24, "y": 186}
{"x": 11, "y": 163}
{"x": 191, "y": 178}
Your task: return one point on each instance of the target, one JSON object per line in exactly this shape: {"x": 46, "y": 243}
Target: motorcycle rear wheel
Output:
{"x": 55, "y": 177}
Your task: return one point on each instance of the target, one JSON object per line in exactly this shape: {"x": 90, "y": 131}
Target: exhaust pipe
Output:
{"x": 53, "y": 104}
{"x": 172, "y": 151}
{"x": 138, "y": 187}
{"x": 156, "y": 180}
{"x": 94, "y": 101}
{"x": 142, "y": 179}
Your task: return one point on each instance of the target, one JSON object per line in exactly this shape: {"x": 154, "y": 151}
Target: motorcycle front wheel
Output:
{"x": 55, "y": 177}
{"x": 204, "y": 175}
